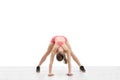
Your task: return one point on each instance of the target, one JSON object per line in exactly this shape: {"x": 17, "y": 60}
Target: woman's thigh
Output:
{"x": 54, "y": 49}
{"x": 66, "y": 49}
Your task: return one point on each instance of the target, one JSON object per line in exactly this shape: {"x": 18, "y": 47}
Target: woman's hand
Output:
{"x": 69, "y": 74}
{"x": 50, "y": 74}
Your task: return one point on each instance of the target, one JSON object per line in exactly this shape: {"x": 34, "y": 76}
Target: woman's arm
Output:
{"x": 67, "y": 50}
{"x": 53, "y": 52}
{"x": 50, "y": 64}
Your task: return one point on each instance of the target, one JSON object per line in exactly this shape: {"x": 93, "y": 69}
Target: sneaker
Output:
{"x": 82, "y": 68}
{"x": 38, "y": 69}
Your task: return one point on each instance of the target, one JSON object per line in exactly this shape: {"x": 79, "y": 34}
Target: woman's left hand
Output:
{"x": 69, "y": 74}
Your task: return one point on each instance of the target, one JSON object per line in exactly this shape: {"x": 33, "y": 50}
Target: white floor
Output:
{"x": 28, "y": 73}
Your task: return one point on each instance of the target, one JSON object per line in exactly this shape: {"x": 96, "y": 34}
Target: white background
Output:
{"x": 91, "y": 26}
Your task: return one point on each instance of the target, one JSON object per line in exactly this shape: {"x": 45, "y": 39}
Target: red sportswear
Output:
{"x": 60, "y": 43}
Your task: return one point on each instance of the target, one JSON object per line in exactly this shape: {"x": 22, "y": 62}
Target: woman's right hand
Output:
{"x": 50, "y": 74}
{"x": 69, "y": 74}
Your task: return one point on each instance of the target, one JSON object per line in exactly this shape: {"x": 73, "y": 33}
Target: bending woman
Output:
{"x": 60, "y": 47}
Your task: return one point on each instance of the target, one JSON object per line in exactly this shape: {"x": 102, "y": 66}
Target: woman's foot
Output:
{"x": 82, "y": 68}
{"x": 38, "y": 69}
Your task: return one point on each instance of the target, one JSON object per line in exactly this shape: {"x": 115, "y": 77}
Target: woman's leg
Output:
{"x": 73, "y": 55}
{"x": 75, "y": 58}
{"x": 46, "y": 54}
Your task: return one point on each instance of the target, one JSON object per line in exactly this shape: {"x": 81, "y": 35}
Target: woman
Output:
{"x": 60, "y": 47}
